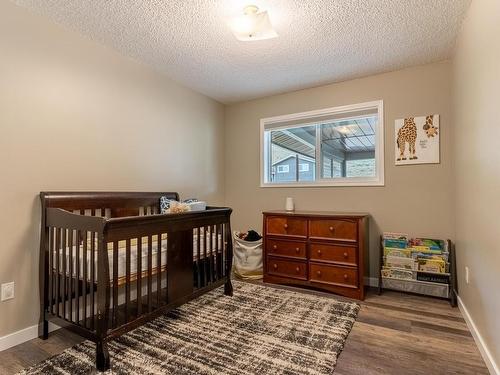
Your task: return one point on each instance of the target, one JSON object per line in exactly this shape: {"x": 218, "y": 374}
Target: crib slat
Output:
{"x": 63, "y": 273}
{"x": 150, "y": 272}
{"x": 92, "y": 277}
{"x": 127, "y": 279}
{"x": 205, "y": 265}
{"x": 70, "y": 274}
{"x": 139, "y": 276}
{"x": 166, "y": 270}
{"x": 77, "y": 277}
{"x": 229, "y": 249}
{"x": 228, "y": 236}
{"x": 198, "y": 257}
{"x": 211, "y": 256}
{"x": 223, "y": 248}
{"x": 85, "y": 277}
{"x": 58, "y": 280}
{"x": 115, "y": 282}
{"x": 214, "y": 253}
{"x": 158, "y": 270}
{"x": 217, "y": 253}
{"x": 51, "y": 269}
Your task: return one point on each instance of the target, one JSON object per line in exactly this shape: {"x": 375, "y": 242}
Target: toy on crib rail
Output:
{"x": 171, "y": 206}
{"x": 178, "y": 207}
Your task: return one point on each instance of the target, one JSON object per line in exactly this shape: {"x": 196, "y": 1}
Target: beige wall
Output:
{"x": 77, "y": 116}
{"x": 476, "y": 76}
{"x": 415, "y": 199}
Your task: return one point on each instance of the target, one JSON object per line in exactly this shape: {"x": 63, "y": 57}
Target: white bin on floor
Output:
{"x": 247, "y": 261}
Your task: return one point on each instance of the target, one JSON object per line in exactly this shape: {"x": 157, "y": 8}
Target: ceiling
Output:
{"x": 321, "y": 41}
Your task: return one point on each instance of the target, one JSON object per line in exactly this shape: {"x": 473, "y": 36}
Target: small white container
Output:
{"x": 197, "y": 206}
{"x": 289, "y": 206}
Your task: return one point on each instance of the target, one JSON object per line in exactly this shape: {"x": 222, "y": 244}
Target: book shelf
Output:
{"x": 404, "y": 277}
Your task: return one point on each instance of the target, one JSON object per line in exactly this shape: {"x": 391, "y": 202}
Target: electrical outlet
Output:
{"x": 467, "y": 275}
{"x": 7, "y": 291}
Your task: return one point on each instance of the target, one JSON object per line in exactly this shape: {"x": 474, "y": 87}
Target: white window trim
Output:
{"x": 303, "y": 167}
{"x": 377, "y": 180}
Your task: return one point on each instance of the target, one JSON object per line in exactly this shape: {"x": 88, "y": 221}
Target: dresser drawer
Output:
{"x": 286, "y": 248}
{"x": 336, "y": 275}
{"x": 287, "y": 268}
{"x": 286, "y": 226}
{"x": 334, "y": 253}
{"x": 338, "y": 229}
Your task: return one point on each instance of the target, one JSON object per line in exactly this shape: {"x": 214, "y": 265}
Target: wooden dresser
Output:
{"x": 324, "y": 250}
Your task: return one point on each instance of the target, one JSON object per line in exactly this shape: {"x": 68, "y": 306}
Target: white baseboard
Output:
{"x": 26, "y": 334}
{"x": 483, "y": 348}
{"x": 371, "y": 281}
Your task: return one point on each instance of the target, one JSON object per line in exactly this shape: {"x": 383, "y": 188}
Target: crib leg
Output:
{"x": 228, "y": 288}
{"x": 102, "y": 356}
{"x": 44, "y": 331}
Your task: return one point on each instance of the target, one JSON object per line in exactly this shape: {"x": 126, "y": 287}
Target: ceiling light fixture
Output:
{"x": 252, "y": 25}
{"x": 345, "y": 129}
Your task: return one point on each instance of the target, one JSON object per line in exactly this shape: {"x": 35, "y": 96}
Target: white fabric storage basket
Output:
{"x": 419, "y": 287}
{"x": 247, "y": 260}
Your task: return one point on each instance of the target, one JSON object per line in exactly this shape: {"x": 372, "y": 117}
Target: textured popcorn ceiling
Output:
{"x": 320, "y": 41}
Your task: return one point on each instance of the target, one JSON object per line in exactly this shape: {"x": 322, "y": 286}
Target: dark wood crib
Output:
{"x": 110, "y": 262}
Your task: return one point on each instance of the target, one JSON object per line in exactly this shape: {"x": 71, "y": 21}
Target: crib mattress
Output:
{"x": 211, "y": 250}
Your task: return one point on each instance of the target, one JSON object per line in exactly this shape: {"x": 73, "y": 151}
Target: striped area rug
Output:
{"x": 260, "y": 330}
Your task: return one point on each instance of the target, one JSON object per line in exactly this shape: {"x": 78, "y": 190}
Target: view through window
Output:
{"x": 330, "y": 147}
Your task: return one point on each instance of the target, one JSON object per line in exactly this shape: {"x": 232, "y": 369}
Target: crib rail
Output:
{"x": 108, "y": 204}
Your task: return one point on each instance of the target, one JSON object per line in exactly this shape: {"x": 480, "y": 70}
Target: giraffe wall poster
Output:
{"x": 417, "y": 140}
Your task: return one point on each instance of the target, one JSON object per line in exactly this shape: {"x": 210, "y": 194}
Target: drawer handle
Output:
{"x": 319, "y": 252}
{"x": 275, "y": 266}
{"x": 346, "y": 255}
{"x": 297, "y": 269}
{"x": 331, "y": 229}
{"x": 286, "y": 226}
{"x": 345, "y": 276}
{"x": 297, "y": 250}
{"x": 318, "y": 273}
{"x": 275, "y": 247}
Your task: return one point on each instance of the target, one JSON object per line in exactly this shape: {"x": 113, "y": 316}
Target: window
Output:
{"x": 283, "y": 168}
{"x": 303, "y": 167}
{"x": 342, "y": 146}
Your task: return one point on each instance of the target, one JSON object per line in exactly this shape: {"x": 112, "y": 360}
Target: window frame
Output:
{"x": 308, "y": 117}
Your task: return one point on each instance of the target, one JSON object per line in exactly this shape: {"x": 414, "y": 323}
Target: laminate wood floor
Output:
{"x": 395, "y": 333}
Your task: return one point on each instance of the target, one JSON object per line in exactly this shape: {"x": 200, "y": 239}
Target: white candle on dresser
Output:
{"x": 289, "y": 204}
